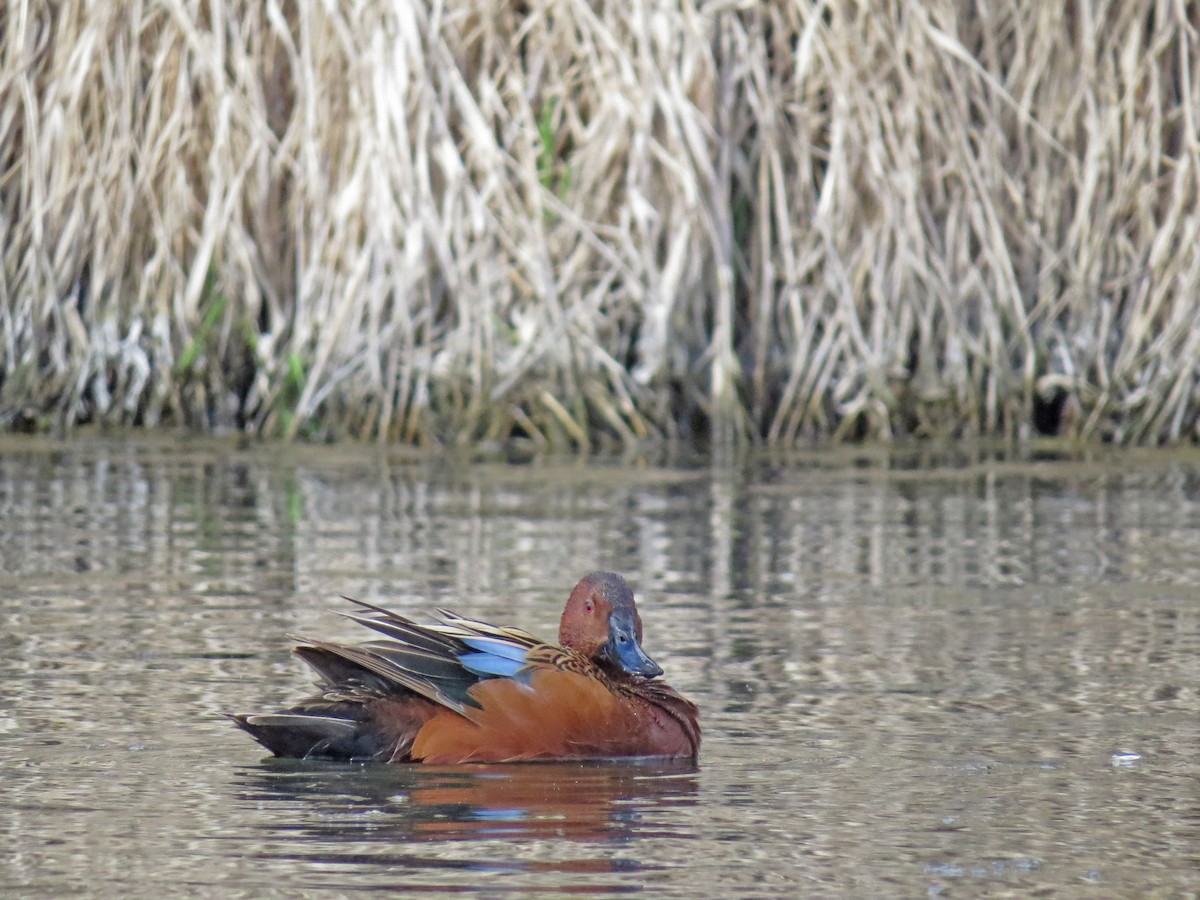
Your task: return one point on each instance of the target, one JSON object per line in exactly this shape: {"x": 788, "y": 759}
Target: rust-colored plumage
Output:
{"x": 466, "y": 691}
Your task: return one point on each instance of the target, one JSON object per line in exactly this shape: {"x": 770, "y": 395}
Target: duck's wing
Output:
{"x": 376, "y": 696}
{"x": 495, "y": 650}
{"x": 440, "y": 662}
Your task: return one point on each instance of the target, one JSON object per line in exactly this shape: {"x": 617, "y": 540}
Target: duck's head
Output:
{"x": 601, "y": 621}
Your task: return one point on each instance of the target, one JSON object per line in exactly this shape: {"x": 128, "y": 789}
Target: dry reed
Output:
{"x": 586, "y": 223}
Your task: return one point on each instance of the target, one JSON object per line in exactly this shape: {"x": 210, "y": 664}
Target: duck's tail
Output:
{"x": 360, "y": 714}
{"x": 305, "y": 733}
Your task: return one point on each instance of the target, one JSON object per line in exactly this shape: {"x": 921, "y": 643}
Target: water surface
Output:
{"x": 977, "y": 676}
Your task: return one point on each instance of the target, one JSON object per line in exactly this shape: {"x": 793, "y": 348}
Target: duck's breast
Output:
{"x": 551, "y": 714}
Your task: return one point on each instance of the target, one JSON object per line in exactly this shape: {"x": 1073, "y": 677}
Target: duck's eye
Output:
{"x": 589, "y": 605}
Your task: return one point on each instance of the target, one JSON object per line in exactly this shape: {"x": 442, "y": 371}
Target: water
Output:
{"x": 914, "y": 681}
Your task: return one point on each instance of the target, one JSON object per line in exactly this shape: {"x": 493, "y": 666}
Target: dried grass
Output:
{"x": 583, "y": 223}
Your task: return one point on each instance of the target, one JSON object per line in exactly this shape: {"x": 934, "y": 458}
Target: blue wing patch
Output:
{"x": 484, "y": 663}
{"x": 497, "y": 647}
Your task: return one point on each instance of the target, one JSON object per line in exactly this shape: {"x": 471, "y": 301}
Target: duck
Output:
{"x": 464, "y": 691}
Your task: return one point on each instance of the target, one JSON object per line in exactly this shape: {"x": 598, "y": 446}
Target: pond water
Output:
{"x": 946, "y": 679}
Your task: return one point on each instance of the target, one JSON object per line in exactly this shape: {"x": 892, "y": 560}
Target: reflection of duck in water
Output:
{"x": 465, "y": 691}
{"x": 567, "y": 800}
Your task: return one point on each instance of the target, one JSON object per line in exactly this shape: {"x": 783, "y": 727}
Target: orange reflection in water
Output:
{"x": 577, "y": 801}
{"x": 583, "y": 802}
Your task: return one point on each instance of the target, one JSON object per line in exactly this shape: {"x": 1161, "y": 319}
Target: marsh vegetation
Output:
{"x": 581, "y": 224}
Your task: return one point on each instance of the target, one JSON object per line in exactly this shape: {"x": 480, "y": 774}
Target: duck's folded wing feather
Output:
{"x": 440, "y": 662}
{"x": 444, "y": 680}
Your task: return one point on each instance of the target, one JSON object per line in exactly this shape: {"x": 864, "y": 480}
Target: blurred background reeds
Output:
{"x": 579, "y": 224}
